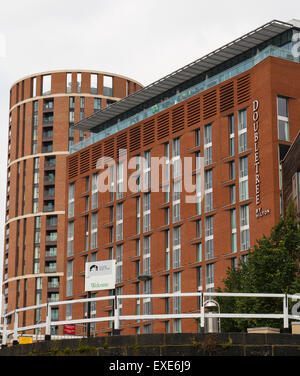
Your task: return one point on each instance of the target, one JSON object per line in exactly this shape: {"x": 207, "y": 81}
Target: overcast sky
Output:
{"x": 144, "y": 40}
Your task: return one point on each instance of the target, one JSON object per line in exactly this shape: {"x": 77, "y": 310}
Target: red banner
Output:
{"x": 69, "y": 329}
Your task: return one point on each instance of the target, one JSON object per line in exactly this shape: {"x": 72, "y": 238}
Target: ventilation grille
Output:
{"x": 73, "y": 167}
{"x": 148, "y": 132}
{"x": 84, "y": 161}
{"x": 243, "y": 89}
{"x": 96, "y": 154}
{"x": 135, "y": 138}
{"x": 109, "y": 148}
{"x": 226, "y": 97}
{"x": 193, "y": 112}
{"x": 209, "y": 104}
{"x": 177, "y": 119}
{"x": 163, "y": 125}
{"x": 122, "y": 141}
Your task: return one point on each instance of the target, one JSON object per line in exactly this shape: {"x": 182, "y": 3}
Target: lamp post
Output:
{"x": 211, "y": 303}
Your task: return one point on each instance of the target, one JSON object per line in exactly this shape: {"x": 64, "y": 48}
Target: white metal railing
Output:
{"x": 201, "y": 314}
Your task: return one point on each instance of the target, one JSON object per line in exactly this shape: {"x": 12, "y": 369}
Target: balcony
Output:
{"x": 49, "y": 178}
{"x": 51, "y": 268}
{"x": 49, "y": 207}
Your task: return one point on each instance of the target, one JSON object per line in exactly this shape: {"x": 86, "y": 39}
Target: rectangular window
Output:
{"x": 244, "y": 227}
{"x": 177, "y": 288}
{"x": 197, "y": 137}
{"x": 233, "y": 231}
{"x": 167, "y": 249}
{"x": 147, "y": 212}
{"x": 207, "y": 144}
{"x": 208, "y": 191}
{"x": 119, "y": 222}
{"x": 242, "y": 130}
{"x": 283, "y": 119}
{"x": 69, "y": 287}
{"x": 147, "y": 170}
{"x": 34, "y": 87}
{"x": 209, "y": 276}
{"x": 108, "y": 86}
{"x": 71, "y": 200}
{"x": 176, "y": 247}
{"x": 231, "y": 135}
{"x": 176, "y": 200}
{"x": 46, "y": 85}
{"x": 209, "y": 238}
{"x": 119, "y": 263}
{"x": 94, "y": 191}
{"x": 94, "y": 230}
{"x": 146, "y": 255}
{"x": 243, "y": 178}
{"x": 70, "y": 248}
{"x": 97, "y": 104}
{"x": 69, "y": 83}
{"x": 176, "y": 158}
{"x": 78, "y": 83}
{"x": 94, "y": 83}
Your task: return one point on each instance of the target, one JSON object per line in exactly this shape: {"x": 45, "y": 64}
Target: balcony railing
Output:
{"x": 188, "y": 93}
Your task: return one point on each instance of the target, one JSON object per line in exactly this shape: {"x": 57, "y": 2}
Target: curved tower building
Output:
{"x": 43, "y": 107}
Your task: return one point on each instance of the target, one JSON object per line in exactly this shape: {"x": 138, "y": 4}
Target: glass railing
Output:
{"x": 182, "y": 96}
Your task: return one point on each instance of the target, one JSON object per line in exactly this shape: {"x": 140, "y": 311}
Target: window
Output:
{"x": 244, "y": 227}
{"x": 209, "y": 238}
{"x": 119, "y": 222}
{"x": 243, "y": 178}
{"x": 232, "y": 194}
{"x": 138, "y": 215}
{"x": 233, "y": 231}
{"x": 208, "y": 191}
{"x": 209, "y": 276}
{"x": 147, "y": 212}
{"x": 231, "y": 170}
{"x": 283, "y": 119}
{"x": 34, "y": 87}
{"x": 146, "y": 255}
{"x": 78, "y": 83}
{"x": 198, "y": 228}
{"x": 207, "y": 144}
{"x": 71, "y": 200}
{"x": 94, "y": 228}
{"x": 198, "y": 194}
{"x": 108, "y": 86}
{"x": 46, "y": 86}
{"x": 177, "y": 300}
{"x": 94, "y": 83}
{"x": 69, "y": 287}
{"x": 199, "y": 252}
{"x": 119, "y": 263}
{"x": 69, "y": 83}
{"x": 242, "y": 129}
{"x": 167, "y": 249}
{"x": 70, "y": 248}
{"x": 176, "y": 247}
{"x": 120, "y": 188}
{"x": 176, "y": 200}
{"x": 231, "y": 135}
{"x": 97, "y": 104}
{"x": 176, "y": 158}
{"x": 94, "y": 191}
{"x": 146, "y": 170}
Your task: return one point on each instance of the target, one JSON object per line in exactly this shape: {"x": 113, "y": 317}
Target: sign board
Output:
{"x": 100, "y": 275}
{"x": 69, "y": 329}
{"x": 25, "y": 340}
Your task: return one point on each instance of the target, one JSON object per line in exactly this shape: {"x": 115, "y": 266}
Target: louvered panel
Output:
{"x": 122, "y": 141}
{"x": 135, "y": 138}
{"x": 96, "y": 154}
{"x": 210, "y": 104}
{"x": 148, "y": 132}
{"x": 73, "y": 166}
{"x": 178, "y": 119}
{"x": 109, "y": 148}
{"x": 163, "y": 125}
{"x": 227, "y": 97}
{"x": 243, "y": 89}
{"x": 193, "y": 112}
{"x": 84, "y": 161}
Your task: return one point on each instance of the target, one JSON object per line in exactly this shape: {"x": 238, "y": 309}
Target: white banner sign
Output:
{"x": 100, "y": 275}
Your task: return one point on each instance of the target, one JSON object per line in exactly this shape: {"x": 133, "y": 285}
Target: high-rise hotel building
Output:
{"x": 43, "y": 108}
{"x": 233, "y": 114}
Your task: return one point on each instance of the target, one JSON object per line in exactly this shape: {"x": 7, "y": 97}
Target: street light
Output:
{"x": 211, "y": 303}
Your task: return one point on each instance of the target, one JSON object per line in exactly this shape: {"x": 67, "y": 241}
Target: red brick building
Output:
{"x": 234, "y": 113}
{"x": 43, "y": 108}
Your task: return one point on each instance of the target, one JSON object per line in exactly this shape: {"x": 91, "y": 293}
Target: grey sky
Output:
{"x": 144, "y": 40}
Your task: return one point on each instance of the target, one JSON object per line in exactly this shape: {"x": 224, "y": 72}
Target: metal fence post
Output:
{"x": 16, "y": 324}
{"x": 48, "y": 323}
{"x": 202, "y": 312}
{"x": 285, "y": 312}
{"x": 116, "y": 313}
